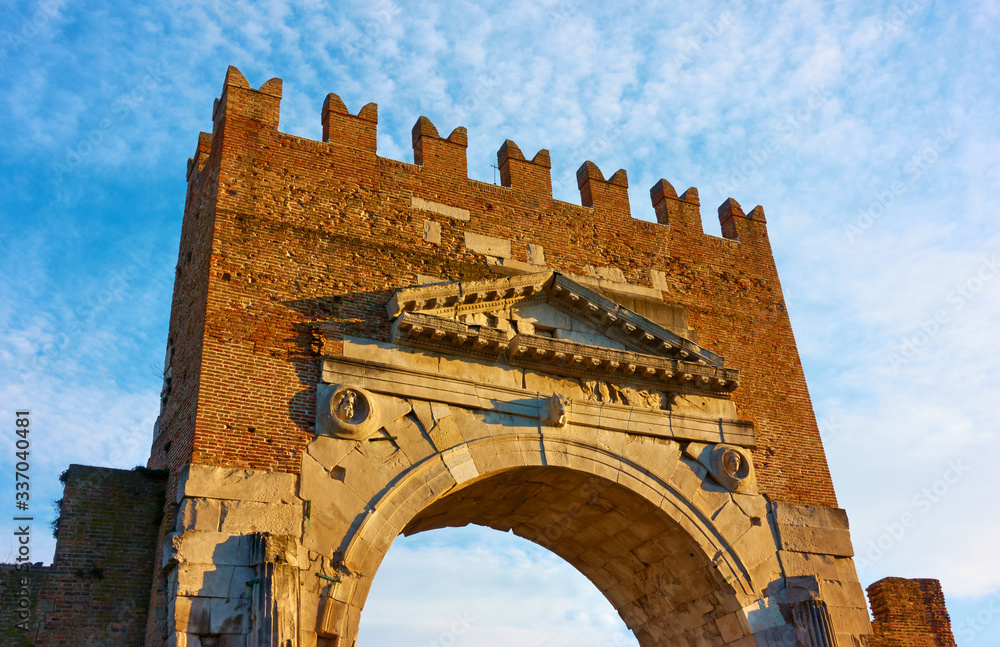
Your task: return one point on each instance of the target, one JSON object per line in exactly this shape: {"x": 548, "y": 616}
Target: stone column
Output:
{"x": 276, "y": 594}
{"x": 812, "y": 624}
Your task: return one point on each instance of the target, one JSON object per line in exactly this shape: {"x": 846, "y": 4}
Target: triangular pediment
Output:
{"x": 549, "y": 323}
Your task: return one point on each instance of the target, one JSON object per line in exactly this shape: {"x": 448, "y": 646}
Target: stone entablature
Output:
{"x": 480, "y": 319}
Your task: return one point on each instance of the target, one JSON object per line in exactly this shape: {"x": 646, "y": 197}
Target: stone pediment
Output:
{"x": 551, "y": 324}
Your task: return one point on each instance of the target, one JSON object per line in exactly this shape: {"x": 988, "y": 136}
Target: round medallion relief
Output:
{"x": 732, "y": 467}
{"x": 348, "y": 411}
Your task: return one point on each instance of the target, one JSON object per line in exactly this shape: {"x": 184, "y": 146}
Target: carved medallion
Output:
{"x": 347, "y": 411}
{"x": 732, "y": 467}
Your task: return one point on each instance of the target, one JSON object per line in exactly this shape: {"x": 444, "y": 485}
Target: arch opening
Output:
{"x": 478, "y": 586}
{"x": 655, "y": 575}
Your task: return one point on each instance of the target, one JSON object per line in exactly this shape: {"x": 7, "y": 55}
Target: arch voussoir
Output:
{"x": 627, "y": 529}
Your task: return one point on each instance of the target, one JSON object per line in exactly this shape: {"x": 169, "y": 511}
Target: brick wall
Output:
{"x": 289, "y": 244}
{"x": 97, "y": 589}
{"x": 909, "y": 613}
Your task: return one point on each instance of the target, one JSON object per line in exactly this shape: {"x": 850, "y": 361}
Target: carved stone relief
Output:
{"x": 732, "y": 467}
{"x": 555, "y": 410}
{"x": 548, "y": 305}
{"x": 600, "y": 391}
{"x": 346, "y": 411}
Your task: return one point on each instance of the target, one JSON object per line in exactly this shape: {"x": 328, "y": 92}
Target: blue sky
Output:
{"x": 868, "y": 131}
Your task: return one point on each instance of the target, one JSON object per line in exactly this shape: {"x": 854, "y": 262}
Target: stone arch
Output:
{"x": 641, "y": 532}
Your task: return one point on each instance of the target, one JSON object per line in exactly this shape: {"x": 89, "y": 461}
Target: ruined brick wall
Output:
{"x": 16, "y": 586}
{"x": 292, "y": 244}
{"x": 909, "y": 613}
{"x": 97, "y": 589}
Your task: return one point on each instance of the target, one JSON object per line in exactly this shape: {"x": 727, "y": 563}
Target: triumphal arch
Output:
{"x": 361, "y": 347}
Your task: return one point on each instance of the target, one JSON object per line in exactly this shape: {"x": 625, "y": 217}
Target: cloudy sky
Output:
{"x": 867, "y": 130}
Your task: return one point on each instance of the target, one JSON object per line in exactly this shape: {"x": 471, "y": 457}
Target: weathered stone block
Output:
{"x": 536, "y": 254}
{"x": 204, "y": 547}
{"x": 755, "y": 545}
{"x": 848, "y": 620}
{"x": 203, "y": 481}
{"x": 455, "y": 213}
{"x": 487, "y": 245}
{"x": 480, "y": 372}
{"x": 329, "y": 451}
{"x": 821, "y": 566}
{"x": 197, "y": 580}
{"x": 731, "y": 626}
{"x": 821, "y": 541}
{"x": 410, "y": 439}
{"x": 842, "y": 594}
{"x": 660, "y": 457}
{"x": 230, "y": 616}
{"x": 246, "y": 517}
{"x": 810, "y": 516}
{"x": 192, "y": 614}
{"x": 460, "y": 464}
{"x": 659, "y": 280}
{"x": 432, "y": 232}
{"x": 361, "y": 476}
{"x": 198, "y": 514}
{"x": 606, "y": 273}
{"x": 445, "y": 433}
{"x": 731, "y": 521}
{"x": 384, "y": 353}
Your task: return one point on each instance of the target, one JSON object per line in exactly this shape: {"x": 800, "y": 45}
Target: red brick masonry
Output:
{"x": 909, "y": 613}
{"x": 289, "y": 244}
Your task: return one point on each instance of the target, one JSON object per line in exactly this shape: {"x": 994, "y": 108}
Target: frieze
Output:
{"x": 402, "y": 382}
{"x": 572, "y": 359}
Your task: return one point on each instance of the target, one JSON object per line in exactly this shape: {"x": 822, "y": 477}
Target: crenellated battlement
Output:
{"x": 443, "y": 162}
